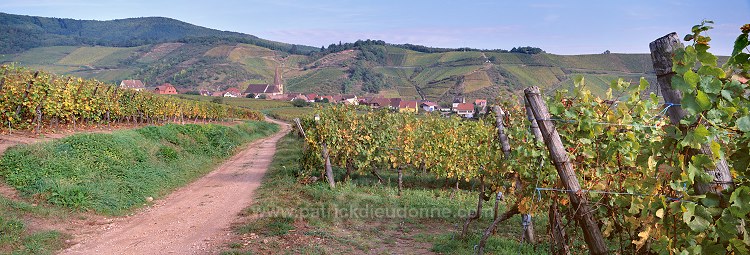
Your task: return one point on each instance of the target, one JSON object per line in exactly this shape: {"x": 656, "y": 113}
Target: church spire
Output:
{"x": 277, "y": 80}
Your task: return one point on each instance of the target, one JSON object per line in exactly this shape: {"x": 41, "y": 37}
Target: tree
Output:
{"x": 262, "y": 96}
{"x": 251, "y": 95}
{"x": 299, "y": 102}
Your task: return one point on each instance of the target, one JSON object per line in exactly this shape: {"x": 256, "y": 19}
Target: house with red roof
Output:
{"x": 136, "y": 85}
{"x": 165, "y": 89}
{"x": 464, "y": 110}
{"x": 428, "y": 106}
{"x": 232, "y": 92}
{"x": 408, "y": 106}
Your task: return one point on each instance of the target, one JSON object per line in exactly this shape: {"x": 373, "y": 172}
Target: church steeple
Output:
{"x": 277, "y": 80}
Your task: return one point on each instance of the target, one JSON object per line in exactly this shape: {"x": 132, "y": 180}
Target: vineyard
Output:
{"x": 635, "y": 173}
{"x": 39, "y": 100}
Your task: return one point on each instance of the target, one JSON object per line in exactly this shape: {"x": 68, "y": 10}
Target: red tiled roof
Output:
{"x": 133, "y": 84}
{"x": 408, "y": 104}
{"x": 465, "y": 107}
{"x": 166, "y": 88}
{"x": 381, "y": 102}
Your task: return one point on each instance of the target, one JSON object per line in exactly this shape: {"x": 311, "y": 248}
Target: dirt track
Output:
{"x": 192, "y": 220}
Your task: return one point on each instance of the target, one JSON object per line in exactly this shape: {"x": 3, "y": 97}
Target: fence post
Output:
{"x": 662, "y": 50}
{"x": 326, "y": 160}
{"x": 591, "y": 232}
{"x": 526, "y": 223}
{"x": 299, "y": 127}
{"x": 559, "y": 237}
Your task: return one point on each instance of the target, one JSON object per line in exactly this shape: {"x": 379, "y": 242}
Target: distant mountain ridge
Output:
{"x": 20, "y": 32}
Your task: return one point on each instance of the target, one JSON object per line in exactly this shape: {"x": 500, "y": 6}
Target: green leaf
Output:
{"x": 643, "y": 84}
{"x": 710, "y": 85}
{"x": 726, "y": 226}
{"x": 701, "y": 134}
{"x": 740, "y": 44}
{"x": 691, "y": 78}
{"x": 679, "y": 83}
{"x": 743, "y": 123}
{"x": 712, "y": 71}
{"x": 726, "y": 94}
{"x": 703, "y": 101}
{"x": 740, "y": 202}
{"x": 739, "y": 247}
{"x": 706, "y": 58}
{"x": 696, "y": 216}
{"x": 689, "y": 104}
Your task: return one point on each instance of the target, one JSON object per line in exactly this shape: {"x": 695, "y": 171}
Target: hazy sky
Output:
{"x": 561, "y": 27}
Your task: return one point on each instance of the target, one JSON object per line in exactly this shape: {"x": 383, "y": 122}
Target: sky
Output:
{"x": 559, "y": 27}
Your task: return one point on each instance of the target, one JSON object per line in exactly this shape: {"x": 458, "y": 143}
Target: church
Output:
{"x": 277, "y": 88}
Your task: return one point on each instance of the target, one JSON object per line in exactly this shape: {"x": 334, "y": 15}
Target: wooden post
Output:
{"x": 591, "y": 232}
{"x": 662, "y": 50}
{"x": 327, "y": 160}
{"x": 299, "y": 127}
{"x": 400, "y": 180}
{"x": 499, "y": 118}
{"x": 559, "y": 237}
{"x": 527, "y": 224}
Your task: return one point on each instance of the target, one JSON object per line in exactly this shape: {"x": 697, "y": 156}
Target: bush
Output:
{"x": 299, "y": 103}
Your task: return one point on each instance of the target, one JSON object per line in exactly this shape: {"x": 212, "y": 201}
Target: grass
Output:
{"x": 313, "y": 219}
{"x": 249, "y": 103}
{"x": 113, "y": 173}
{"x": 289, "y": 113}
{"x": 15, "y": 235}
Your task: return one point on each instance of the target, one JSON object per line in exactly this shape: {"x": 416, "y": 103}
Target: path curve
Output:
{"x": 194, "y": 219}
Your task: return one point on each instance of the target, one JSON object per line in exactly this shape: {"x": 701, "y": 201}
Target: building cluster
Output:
{"x": 275, "y": 91}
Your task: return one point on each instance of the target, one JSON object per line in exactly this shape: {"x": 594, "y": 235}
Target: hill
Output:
{"x": 158, "y": 50}
{"x": 19, "y": 33}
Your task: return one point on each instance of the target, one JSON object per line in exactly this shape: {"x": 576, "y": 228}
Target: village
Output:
{"x": 275, "y": 91}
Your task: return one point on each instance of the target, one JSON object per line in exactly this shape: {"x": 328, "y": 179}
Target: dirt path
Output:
{"x": 192, "y": 220}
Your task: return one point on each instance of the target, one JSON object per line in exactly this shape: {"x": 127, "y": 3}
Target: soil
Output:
{"x": 195, "y": 219}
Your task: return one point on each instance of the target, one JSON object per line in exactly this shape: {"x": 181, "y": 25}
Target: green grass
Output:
{"x": 330, "y": 214}
{"x": 15, "y": 235}
{"x": 113, "y": 173}
{"x": 289, "y": 113}
{"x": 249, "y": 103}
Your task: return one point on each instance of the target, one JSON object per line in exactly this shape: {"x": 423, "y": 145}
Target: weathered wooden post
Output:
{"x": 326, "y": 159}
{"x": 591, "y": 232}
{"x": 559, "y": 237}
{"x": 505, "y": 146}
{"x": 662, "y": 50}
